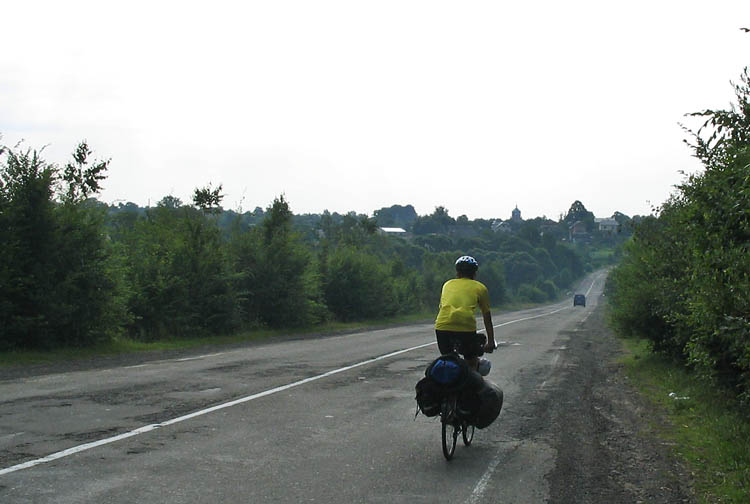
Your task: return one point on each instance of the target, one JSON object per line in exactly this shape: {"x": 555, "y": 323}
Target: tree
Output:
{"x": 578, "y": 212}
{"x": 170, "y": 202}
{"x": 289, "y": 290}
{"x": 521, "y": 268}
{"x": 82, "y": 178}
{"x": 60, "y": 285}
{"x": 437, "y": 222}
{"x": 396, "y": 215}
{"x": 208, "y": 199}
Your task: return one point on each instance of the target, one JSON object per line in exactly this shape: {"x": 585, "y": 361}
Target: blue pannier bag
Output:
{"x": 446, "y": 372}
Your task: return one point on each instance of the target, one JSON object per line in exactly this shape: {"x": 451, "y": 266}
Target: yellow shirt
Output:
{"x": 458, "y": 301}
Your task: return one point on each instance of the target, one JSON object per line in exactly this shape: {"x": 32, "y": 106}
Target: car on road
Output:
{"x": 579, "y": 299}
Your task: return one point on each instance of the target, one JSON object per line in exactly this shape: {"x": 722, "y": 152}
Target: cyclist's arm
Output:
{"x": 489, "y": 329}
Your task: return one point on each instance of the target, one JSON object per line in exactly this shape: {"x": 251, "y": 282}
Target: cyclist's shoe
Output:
{"x": 484, "y": 367}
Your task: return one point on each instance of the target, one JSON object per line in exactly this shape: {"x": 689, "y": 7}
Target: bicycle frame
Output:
{"x": 452, "y": 425}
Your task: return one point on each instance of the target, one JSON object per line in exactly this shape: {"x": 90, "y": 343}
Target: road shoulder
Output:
{"x": 604, "y": 432}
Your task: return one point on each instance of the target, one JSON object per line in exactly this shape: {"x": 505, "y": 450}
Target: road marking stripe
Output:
{"x": 529, "y": 318}
{"x": 148, "y": 428}
{"x": 481, "y": 485}
{"x": 198, "y": 357}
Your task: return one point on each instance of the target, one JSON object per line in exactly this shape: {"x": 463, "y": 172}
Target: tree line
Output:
{"x": 75, "y": 271}
{"x": 684, "y": 282}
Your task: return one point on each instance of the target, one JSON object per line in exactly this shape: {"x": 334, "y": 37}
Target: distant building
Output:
{"x": 607, "y": 225}
{"x": 577, "y": 232}
{"x": 394, "y": 231}
{"x": 515, "y": 215}
{"x": 501, "y": 227}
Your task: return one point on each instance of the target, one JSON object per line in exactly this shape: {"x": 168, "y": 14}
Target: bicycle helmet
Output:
{"x": 466, "y": 265}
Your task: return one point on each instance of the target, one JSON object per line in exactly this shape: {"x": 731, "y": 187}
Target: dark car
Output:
{"x": 579, "y": 299}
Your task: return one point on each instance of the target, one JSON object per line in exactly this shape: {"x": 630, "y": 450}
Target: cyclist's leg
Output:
{"x": 471, "y": 349}
{"x": 446, "y": 341}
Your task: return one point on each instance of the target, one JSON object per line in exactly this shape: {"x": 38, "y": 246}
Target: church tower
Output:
{"x": 516, "y": 215}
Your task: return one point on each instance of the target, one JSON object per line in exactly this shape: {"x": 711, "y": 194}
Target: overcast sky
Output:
{"x": 349, "y": 105}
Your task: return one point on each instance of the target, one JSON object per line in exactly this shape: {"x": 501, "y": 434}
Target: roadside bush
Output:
{"x": 683, "y": 281}
{"x": 357, "y": 285}
{"x": 563, "y": 279}
{"x": 521, "y": 268}
{"x": 491, "y": 274}
{"x": 528, "y": 292}
{"x": 59, "y": 286}
{"x": 289, "y": 293}
{"x": 549, "y": 289}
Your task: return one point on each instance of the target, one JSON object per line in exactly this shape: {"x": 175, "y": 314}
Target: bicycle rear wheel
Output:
{"x": 450, "y": 435}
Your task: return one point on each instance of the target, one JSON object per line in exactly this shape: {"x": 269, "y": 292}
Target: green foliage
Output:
{"x": 60, "y": 286}
{"x": 208, "y": 199}
{"x": 358, "y": 286}
{"x": 396, "y": 215}
{"x": 81, "y": 177}
{"x": 684, "y": 281}
{"x": 75, "y": 275}
{"x": 286, "y": 289}
{"x": 492, "y": 276}
{"x": 437, "y": 222}
{"x": 563, "y": 279}
{"x": 549, "y": 289}
{"x": 704, "y": 426}
{"x": 521, "y": 268}
{"x": 181, "y": 280}
{"x": 578, "y": 212}
{"x": 528, "y": 292}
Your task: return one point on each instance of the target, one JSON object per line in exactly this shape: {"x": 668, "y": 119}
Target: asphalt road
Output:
{"x": 326, "y": 419}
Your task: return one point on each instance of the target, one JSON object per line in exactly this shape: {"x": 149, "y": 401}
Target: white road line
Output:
{"x": 592, "y": 284}
{"x": 529, "y": 318}
{"x": 199, "y": 357}
{"x": 12, "y": 435}
{"x": 148, "y": 428}
{"x": 481, "y": 485}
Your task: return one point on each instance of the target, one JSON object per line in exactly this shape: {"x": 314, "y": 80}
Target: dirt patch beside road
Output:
{"x": 603, "y": 431}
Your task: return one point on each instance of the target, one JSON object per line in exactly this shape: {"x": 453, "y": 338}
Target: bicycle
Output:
{"x": 454, "y": 421}
{"x": 453, "y": 424}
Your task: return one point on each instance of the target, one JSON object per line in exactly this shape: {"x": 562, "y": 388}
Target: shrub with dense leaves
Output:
{"x": 685, "y": 278}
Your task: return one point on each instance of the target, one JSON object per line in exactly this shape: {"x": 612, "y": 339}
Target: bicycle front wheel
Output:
{"x": 450, "y": 435}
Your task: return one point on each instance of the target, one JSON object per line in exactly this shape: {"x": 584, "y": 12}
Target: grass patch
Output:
{"x": 709, "y": 430}
{"x": 116, "y": 347}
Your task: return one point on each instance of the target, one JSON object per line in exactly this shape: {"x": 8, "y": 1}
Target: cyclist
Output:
{"x": 455, "y": 323}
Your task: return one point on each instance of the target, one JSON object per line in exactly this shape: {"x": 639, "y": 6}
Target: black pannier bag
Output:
{"x": 490, "y": 404}
{"x": 428, "y": 397}
{"x": 467, "y": 405}
{"x": 446, "y": 374}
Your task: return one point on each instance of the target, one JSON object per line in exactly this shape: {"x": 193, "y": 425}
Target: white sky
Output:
{"x": 349, "y": 105}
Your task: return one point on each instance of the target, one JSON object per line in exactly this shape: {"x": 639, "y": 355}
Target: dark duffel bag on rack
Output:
{"x": 490, "y": 404}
